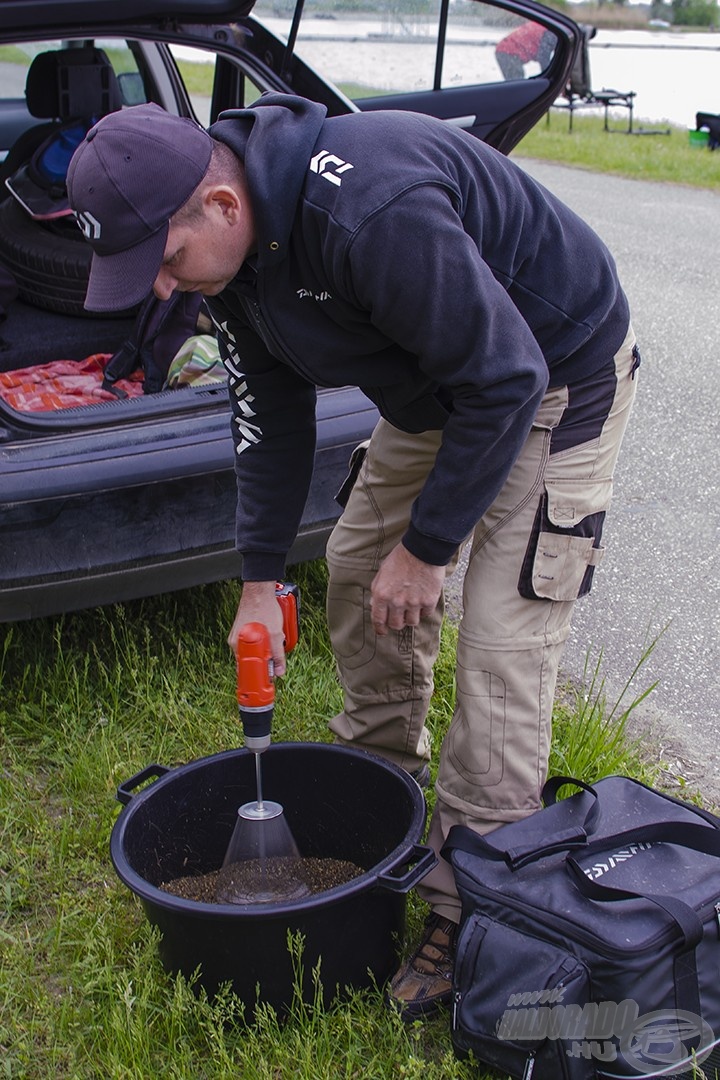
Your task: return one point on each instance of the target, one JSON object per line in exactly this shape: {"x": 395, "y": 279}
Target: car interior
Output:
{"x": 53, "y": 352}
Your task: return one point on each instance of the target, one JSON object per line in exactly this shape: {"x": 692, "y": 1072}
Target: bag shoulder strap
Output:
{"x": 564, "y": 838}
{"x": 175, "y": 318}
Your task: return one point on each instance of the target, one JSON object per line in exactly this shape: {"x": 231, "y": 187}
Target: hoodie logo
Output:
{"x": 304, "y": 293}
{"x": 329, "y": 167}
{"x": 90, "y": 225}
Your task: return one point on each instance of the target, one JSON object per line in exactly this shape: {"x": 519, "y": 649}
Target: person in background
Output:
{"x": 528, "y": 42}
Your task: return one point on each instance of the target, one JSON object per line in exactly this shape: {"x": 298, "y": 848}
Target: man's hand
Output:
{"x": 258, "y": 603}
{"x": 404, "y": 591}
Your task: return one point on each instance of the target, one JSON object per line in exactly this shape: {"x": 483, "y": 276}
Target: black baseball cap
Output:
{"x": 133, "y": 171}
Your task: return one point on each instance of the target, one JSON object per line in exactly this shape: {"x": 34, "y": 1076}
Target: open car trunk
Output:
{"x": 115, "y": 498}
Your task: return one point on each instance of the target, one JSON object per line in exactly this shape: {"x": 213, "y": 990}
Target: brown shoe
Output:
{"x": 424, "y": 982}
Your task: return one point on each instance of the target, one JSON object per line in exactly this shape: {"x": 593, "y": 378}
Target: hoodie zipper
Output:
{"x": 271, "y": 344}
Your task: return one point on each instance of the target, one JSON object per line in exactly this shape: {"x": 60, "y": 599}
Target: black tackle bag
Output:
{"x": 589, "y": 945}
{"x": 161, "y": 327}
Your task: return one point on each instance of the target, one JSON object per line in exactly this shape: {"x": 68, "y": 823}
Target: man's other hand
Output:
{"x": 404, "y": 591}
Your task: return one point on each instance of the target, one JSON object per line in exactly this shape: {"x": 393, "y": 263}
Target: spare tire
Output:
{"x": 51, "y": 264}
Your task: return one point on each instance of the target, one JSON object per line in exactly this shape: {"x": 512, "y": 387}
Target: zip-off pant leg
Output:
{"x": 387, "y": 680}
{"x": 540, "y": 538}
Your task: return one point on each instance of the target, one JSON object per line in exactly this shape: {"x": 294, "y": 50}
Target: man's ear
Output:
{"x": 226, "y": 199}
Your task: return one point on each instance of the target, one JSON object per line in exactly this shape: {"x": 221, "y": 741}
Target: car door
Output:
{"x": 492, "y": 68}
{"x": 112, "y": 499}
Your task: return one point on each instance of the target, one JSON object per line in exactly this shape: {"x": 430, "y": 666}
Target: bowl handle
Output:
{"x": 125, "y": 792}
{"x": 422, "y": 860}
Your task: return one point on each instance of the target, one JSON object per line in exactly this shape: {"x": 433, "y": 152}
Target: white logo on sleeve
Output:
{"x": 246, "y": 433}
{"x": 329, "y": 167}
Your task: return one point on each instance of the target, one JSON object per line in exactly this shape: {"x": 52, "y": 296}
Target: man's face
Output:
{"x": 204, "y": 254}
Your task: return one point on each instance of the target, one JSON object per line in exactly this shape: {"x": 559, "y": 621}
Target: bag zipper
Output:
{"x": 457, "y": 998}
{"x": 560, "y": 926}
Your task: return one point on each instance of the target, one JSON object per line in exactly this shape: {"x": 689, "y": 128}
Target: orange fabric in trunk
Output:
{"x": 64, "y": 384}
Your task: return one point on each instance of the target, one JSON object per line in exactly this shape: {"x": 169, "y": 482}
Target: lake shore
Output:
{"x": 674, "y": 75}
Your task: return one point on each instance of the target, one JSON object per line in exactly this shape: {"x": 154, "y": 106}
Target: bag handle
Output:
{"x": 703, "y": 838}
{"x": 461, "y": 838}
{"x": 553, "y": 785}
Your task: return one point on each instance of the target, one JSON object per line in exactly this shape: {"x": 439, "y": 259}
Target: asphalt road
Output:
{"x": 659, "y": 579}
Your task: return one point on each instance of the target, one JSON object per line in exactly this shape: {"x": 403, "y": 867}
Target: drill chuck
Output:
{"x": 256, "y": 726}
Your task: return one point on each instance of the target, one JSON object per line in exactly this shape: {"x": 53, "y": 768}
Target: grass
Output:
{"x": 85, "y": 702}
{"x": 663, "y": 158}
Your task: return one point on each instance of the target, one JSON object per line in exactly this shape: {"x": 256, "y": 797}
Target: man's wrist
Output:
{"x": 258, "y": 590}
{"x": 428, "y": 549}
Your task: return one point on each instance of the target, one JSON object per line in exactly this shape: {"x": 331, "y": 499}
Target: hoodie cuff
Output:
{"x": 428, "y": 548}
{"x": 263, "y": 565}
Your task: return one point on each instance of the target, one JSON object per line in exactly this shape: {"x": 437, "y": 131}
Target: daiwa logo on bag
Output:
{"x": 599, "y": 868}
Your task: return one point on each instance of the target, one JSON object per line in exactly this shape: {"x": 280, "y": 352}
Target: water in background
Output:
{"x": 674, "y": 75}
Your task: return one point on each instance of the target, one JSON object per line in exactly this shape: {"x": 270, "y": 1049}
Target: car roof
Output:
{"x": 43, "y": 15}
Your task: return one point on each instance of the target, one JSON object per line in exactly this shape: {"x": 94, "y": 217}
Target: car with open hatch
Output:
{"x": 116, "y": 460}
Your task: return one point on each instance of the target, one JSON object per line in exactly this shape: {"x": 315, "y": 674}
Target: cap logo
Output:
{"x": 90, "y": 226}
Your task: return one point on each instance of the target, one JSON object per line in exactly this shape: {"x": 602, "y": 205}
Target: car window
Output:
{"x": 122, "y": 56}
{"x": 15, "y": 62}
{"x": 493, "y": 44}
{"x": 139, "y": 74}
{"x": 395, "y": 49}
{"x": 199, "y": 72}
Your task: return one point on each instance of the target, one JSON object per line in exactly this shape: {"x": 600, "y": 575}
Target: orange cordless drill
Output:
{"x": 253, "y": 835}
{"x": 255, "y": 674}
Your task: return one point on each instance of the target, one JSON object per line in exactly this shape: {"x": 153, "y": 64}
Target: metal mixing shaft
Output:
{"x": 259, "y": 810}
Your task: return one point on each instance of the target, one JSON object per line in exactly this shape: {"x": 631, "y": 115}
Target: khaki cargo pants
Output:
{"x": 531, "y": 555}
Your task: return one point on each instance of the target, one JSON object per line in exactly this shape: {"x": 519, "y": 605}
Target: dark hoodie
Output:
{"x": 399, "y": 254}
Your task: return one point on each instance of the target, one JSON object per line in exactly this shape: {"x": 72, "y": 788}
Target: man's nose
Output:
{"x": 164, "y": 285}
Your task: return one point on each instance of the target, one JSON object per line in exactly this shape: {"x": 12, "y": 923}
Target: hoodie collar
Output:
{"x": 274, "y": 138}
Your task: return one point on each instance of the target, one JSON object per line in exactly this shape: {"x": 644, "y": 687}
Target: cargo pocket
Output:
{"x": 564, "y": 546}
{"x": 354, "y": 465}
{"x": 511, "y": 996}
{"x": 353, "y": 636}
